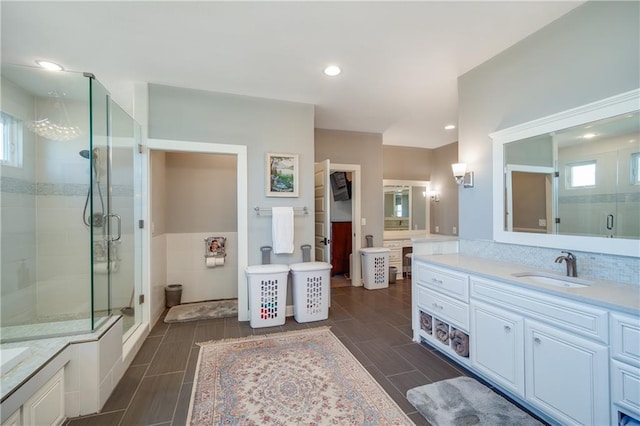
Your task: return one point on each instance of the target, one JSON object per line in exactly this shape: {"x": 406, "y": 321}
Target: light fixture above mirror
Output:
{"x": 461, "y": 175}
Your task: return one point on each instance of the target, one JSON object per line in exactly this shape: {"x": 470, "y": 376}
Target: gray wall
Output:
{"x": 589, "y": 54}
{"x": 364, "y": 149}
{"x": 201, "y": 193}
{"x": 263, "y": 126}
{"x": 444, "y": 213}
{"x": 406, "y": 163}
{"x": 158, "y": 185}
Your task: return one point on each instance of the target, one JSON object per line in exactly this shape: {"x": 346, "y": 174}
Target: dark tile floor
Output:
{"x": 374, "y": 325}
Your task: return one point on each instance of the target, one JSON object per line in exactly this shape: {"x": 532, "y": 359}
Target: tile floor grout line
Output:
{"x": 146, "y": 370}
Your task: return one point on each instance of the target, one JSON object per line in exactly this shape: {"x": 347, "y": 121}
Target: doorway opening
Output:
{"x": 344, "y": 218}
{"x": 157, "y": 243}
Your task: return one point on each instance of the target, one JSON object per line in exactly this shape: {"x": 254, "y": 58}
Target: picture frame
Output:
{"x": 215, "y": 246}
{"x": 282, "y": 178}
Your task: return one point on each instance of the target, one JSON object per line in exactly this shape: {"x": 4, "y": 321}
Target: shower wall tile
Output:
{"x": 63, "y": 297}
{"x": 18, "y": 307}
{"x": 18, "y": 219}
{"x": 18, "y": 246}
{"x": 53, "y": 267}
{"x": 53, "y": 201}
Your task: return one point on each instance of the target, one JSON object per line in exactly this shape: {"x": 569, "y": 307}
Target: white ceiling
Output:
{"x": 401, "y": 60}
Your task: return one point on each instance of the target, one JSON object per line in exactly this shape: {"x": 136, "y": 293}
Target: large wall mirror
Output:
{"x": 572, "y": 180}
{"x": 405, "y": 206}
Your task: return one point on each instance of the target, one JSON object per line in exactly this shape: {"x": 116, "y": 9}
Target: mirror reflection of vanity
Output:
{"x": 406, "y": 215}
{"x": 405, "y": 205}
{"x": 572, "y": 180}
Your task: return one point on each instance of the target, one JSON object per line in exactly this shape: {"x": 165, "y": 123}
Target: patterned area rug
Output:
{"x": 297, "y": 377}
{"x": 202, "y": 310}
{"x": 464, "y": 401}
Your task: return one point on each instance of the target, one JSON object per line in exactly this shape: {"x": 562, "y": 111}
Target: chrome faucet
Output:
{"x": 570, "y": 260}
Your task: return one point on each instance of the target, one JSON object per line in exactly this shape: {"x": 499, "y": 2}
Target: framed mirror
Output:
{"x": 405, "y": 206}
{"x": 571, "y": 180}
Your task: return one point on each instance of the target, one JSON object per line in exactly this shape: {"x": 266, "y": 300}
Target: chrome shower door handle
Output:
{"x": 610, "y": 222}
{"x": 119, "y": 234}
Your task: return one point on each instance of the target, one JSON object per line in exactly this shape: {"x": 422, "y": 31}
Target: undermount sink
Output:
{"x": 551, "y": 279}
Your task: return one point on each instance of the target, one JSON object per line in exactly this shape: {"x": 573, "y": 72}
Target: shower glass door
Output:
{"x": 98, "y": 223}
{"x": 114, "y": 254}
{"x": 121, "y": 219}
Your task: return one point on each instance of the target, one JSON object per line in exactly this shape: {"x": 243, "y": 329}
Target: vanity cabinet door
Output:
{"x": 497, "y": 345}
{"x": 15, "y": 419}
{"x": 46, "y": 406}
{"x": 566, "y": 376}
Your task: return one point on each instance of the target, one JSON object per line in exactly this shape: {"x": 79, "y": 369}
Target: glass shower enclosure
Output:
{"x": 68, "y": 195}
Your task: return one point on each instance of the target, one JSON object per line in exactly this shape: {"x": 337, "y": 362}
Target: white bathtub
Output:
{"x": 10, "y": 357}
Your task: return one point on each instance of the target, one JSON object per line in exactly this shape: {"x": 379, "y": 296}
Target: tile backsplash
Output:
{"x": 590, "y": 265}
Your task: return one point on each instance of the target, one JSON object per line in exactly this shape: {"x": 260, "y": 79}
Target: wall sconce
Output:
{"x": 462, "y": 176}
{"x": 435, "y": 196}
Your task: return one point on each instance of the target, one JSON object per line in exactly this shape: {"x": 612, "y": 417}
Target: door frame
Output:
{"x": 240, "y": 151}
{"x": 356, "y": 218}
{"x": 550, "y": 207}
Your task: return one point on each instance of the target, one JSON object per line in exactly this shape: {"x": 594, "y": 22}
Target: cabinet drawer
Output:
{"x": 444, "y": 308}
{"x": 582, "y": 319}
{"x": 395, "y": 255}
{"x": 625, "y": 386}
{"x": 392, "y": 244}
{"x": 452, "y": 284}
{"x": 625, "y": 338}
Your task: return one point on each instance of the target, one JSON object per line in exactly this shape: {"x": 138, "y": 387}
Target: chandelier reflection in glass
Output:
{"x": 57, "y": 126}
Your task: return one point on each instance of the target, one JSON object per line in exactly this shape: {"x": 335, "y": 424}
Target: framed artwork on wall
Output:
{"x": 282, "y": 175}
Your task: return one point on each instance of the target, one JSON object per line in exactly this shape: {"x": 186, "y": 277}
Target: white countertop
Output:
{"x": 414, "y": 234}
{"x": 622, "y": 297}
{"x": 433, "y": 238}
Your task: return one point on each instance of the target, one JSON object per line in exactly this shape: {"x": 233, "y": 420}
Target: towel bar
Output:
{"x": 266, "y": 211}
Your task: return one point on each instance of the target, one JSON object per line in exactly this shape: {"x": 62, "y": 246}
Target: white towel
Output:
{"x": 282, "y": 229}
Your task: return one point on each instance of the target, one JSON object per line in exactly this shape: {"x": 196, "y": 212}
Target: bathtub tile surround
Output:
{"x": 93, "y": 365}
{"x": 590, "y": 265}
{"x": 186, "y": 265}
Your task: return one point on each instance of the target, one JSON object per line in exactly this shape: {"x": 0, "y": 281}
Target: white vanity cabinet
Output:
{"x": 441, "y": 309}
{"x": 549, "y": 351}
{"x": 555, "y": 347}
{"x": 395, "y": 254}
{"x": 498, "y": 345}
{"x": 566, "y": 375}
{"x": 625, "y": 366}
{"x": 46, "y": 407}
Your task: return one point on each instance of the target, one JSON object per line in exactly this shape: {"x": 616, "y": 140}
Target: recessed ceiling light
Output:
{"x": 332, "y": 70}
{"x": 51, "y": 66}
{"x": 589, "y": 135}
{"x": 450, "y": 127}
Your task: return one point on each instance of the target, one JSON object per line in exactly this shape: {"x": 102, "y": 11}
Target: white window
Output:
{"x": 581, "y": 175}
{"x": 11, "y": 142}
{"x": 635, "y": 168}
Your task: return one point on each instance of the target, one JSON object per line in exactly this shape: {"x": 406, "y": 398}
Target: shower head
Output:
{"x": 85, "y": 153}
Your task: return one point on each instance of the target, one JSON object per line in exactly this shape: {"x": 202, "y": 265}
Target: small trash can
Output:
{"x": 267, "y": 294}
{"x": 375, "y": 267}
{"x": 393, "y": 271}
{"x": 311, "y": 286}
{"x": 173, "y": 294}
